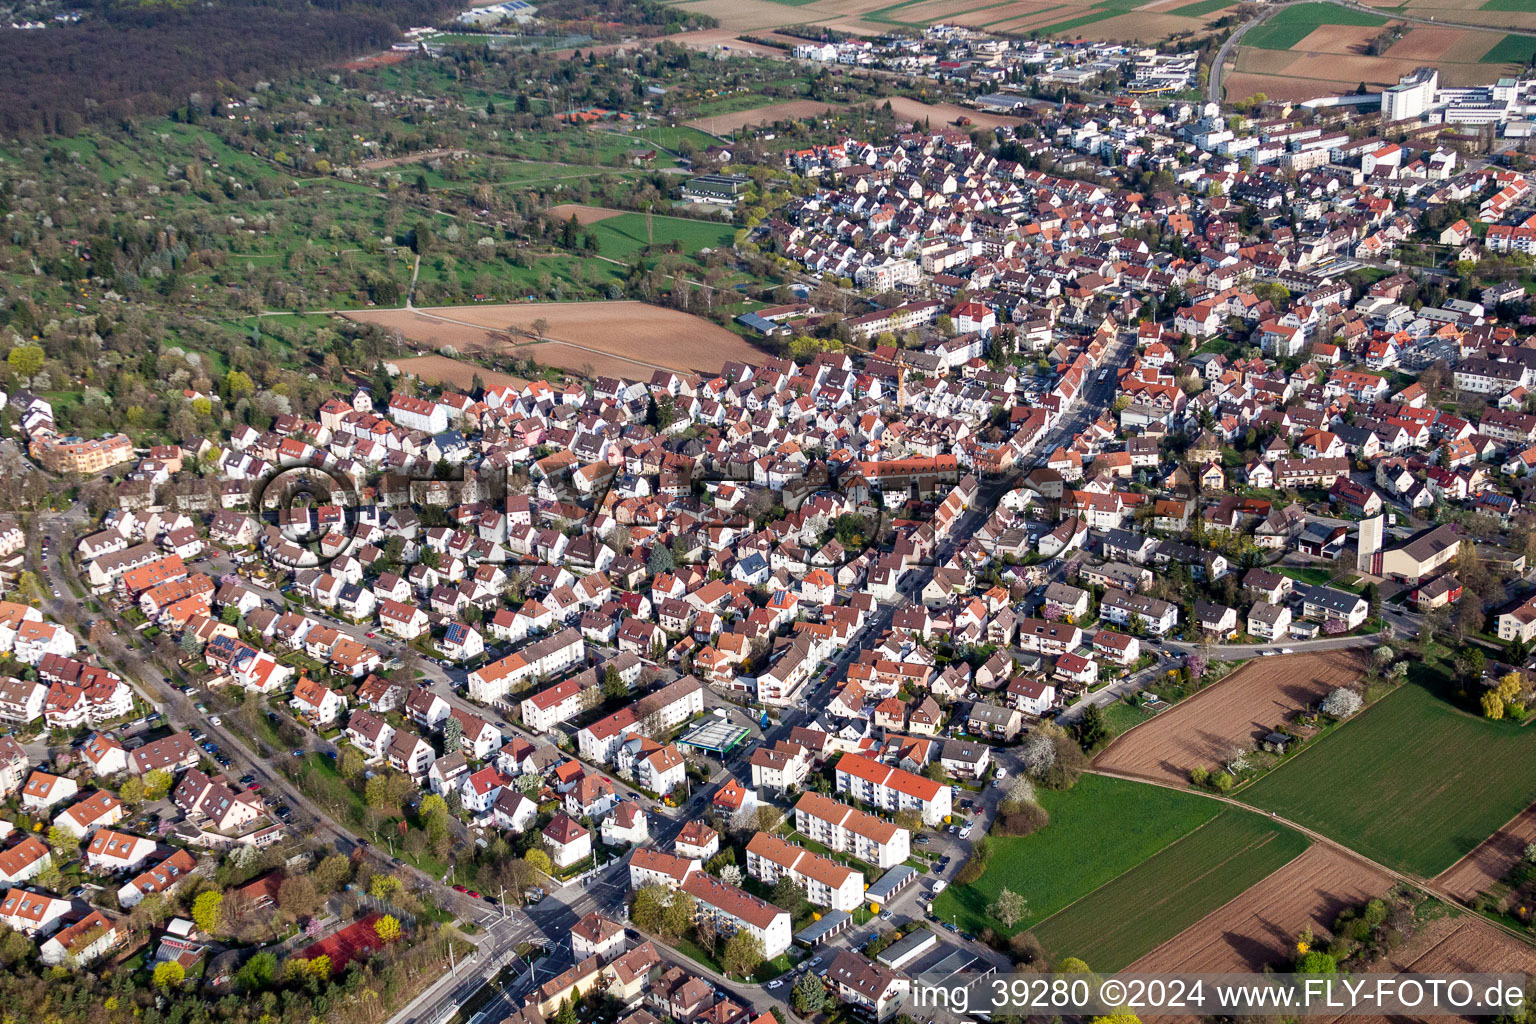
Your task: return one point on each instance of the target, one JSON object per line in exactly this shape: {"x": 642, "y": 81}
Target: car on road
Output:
{"x": 775, "y": 983}
{"x": 471, "y": 892}
{"x": 254, "y": 787}
{"x": 1266, "y": 653}
{"x": 1287, "y": 650}
{"x": 214, "y": 720}
{"x": 922, "y": 840}
{"x": 886, "y": 915}
{"x": 284, "y": 813}
{"x": 491, "y": 900}
{"x": 373, "y": 636}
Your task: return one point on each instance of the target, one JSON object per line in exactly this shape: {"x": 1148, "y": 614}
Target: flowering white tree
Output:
{"x": 731, "y": 874}
{"x": 1342, "y": 703}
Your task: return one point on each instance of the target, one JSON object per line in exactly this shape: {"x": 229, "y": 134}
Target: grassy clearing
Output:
{"x": 1122, "y": 823}
{"x": 1511, "y": 49}
{"x": 1515, "y": 6}
{"x": 1414, "y": 782}
{"x": 1291, "y": 25}
{"x": 1154, "y": 901}
{"x": 625, "y": 235}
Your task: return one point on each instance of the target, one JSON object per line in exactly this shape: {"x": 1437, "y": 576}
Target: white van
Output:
{"x": 939, "y": 886}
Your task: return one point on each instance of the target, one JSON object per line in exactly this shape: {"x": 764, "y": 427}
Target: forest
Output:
{"x": 123, "y": 61}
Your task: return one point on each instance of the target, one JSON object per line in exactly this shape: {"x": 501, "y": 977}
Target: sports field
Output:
{"x": 1291, "y": 25}
{"x": 1413, "y": 782}
{"x": 1121, "y": 823}
{"x": 1160, "y": 897}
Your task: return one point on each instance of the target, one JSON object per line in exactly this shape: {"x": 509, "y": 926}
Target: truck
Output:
{"x": 939, "y": 886}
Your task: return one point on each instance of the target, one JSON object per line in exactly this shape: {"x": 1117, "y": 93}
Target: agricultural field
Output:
{"x": 454, "y": 372}
{"x": 1123, "y": 822}
{"x": 1316, "y": 49}
{"x": 872, "y": 17}
{"x": 585, "y": 215}
{"x": 1492, "y": 859}
{"x": 727, "y": 124}
{"x": 1255, "y": 929}
{"x": 1291, "y": 25}
{"x": 1170, "y": 891}
{"x": 1451, "y": 943}
{"x": 1412, "y": 782}
{"x": 1236, "y": 711}
{"x": 631, "y": 339}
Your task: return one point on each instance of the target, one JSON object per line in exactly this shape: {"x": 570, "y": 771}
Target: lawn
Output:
{"x": 1511, "y": 49}
{"x": 625, "y": 235}
{"x": 1122, "y": 823}
{"x": 1291, "y": 25}
{"x": 1160, "y": 897}
{"x": 1414, "y": 782}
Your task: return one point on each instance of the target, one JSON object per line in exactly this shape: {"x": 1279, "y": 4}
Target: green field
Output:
{"x": 1291, "y": 25}
{"x": 1517, "y": 6}
{"x": 1099, "y": 829}
{"x": 1201, "y": 9}
{"x": 1413, "y": 782}
{"x": 1511, "y": 49}
{"x": 622, "y": 236}
{"x": 1160, "y": 897}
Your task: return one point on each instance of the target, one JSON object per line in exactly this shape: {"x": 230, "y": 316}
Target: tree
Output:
{"x": 332, "y": 873}
{"x": 678, "y": 914}
{"x": 1009, "y": 908}
{"x": 731, "y": 875}
{"x": 298, "y": 897}
{"x": 538, "y": 860}
{"x": 1493, "y": 707}
{"x": 660, "y": 560}
{"x": 157, "y": 783}
{"x": 132, "y": 791}
{"x": 350, "y": 762}
{"x": 383, "y": 887}
{"x": 743, "y": 954}
{"x": 1342, "y": 703}
{"x": 810, "y": 995}
{"x": 647, "y": 907}
{"x": 613, "y": 685}
{"x": 935, "y": 771}
{"x": 453, "y": 733}
{"x": 169, "y": 974}
{"x": 25, "y": 360}
{"x": 1091, "y": 729}
{"x": 388, "y": 928}
{"x": 63, "y": 842}
{"x": 205, "y": 910}
{"x": 1038, "y": 754}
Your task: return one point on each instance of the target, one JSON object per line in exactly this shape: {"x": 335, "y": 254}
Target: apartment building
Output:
{"x": 892, "y": 789}
{"x": 852, "y": 831}
{"x": 733, "y": 910}
{"x": 826, "y": 882}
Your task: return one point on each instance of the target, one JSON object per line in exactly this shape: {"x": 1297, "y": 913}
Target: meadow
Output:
{"x": 1121, "y": 823}
{"x": 1160, "y": 897}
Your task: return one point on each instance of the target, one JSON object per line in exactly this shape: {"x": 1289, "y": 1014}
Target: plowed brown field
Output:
{"x": 1491, "y": 860}
{"x": 1238, "y": 710}
{"x": 628, "y": 339}
{"x": 1256, "y": 928}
